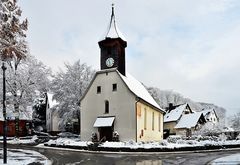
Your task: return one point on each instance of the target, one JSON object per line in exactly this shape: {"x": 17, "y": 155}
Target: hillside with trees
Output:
{"x": 164, "y": 97}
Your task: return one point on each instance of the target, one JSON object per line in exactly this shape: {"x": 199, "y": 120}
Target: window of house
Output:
{"x": 153, "y": 121}
{"x": 114, "y": 87}
{"x": 98, "y": 89}
{"x": 106, "y": 106}
{"x": 145, "y": 118}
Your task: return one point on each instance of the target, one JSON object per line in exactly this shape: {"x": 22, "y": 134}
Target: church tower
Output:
{"x": 112, "y": 47}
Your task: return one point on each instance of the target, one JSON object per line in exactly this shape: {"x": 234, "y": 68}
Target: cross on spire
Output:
{"x": 112, "y": 9}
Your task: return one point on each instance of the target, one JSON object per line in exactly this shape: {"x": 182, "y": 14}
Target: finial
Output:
{"x": 112, "y": 9}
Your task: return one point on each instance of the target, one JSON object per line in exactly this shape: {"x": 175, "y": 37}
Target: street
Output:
{"x": 59, "y": 157}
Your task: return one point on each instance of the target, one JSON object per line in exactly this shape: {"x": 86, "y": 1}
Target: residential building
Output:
{"x": 210, "y": 115}
{"x": 173, "y": 116}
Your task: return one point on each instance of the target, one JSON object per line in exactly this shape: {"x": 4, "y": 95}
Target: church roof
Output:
{"x": 133, "y": 85}
{"x": 138, "y": 89}
{"x": 112, "y": 30}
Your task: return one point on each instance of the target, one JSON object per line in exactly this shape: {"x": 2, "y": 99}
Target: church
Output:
{"x": 115, "y": 102}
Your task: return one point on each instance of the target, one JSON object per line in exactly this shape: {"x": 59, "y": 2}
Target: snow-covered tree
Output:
{"x": 68, "y": 87}
{"x": 164, "y": 97}
{"x": 234, "y": 121}
{"x": 13, "y": 46}
{"x": 32, "y": 77}
{"x": 209, "y": 129}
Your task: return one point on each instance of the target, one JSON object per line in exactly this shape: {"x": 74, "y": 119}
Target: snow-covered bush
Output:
{"x": 180, "y": 141}
{"x": 163, "y": 143}
{"x": 209, "y": 129}
{"x": 191, "y": 142}
{"x": 222, "y": 137}
{"x": 238, "y": 137}
{"x": 173, "y": 138}
{"x": 131, "y": 142}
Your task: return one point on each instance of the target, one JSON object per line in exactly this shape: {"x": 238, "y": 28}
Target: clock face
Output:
{"x": 110, "y": 62}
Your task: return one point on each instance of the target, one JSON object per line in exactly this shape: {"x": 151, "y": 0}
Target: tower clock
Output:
{"x": 112, "y": 48}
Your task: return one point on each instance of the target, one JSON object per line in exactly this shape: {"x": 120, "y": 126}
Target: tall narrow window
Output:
{"x": 106, "y": 106}
{"x": 114, "y": 87}
{"x": 159, "y": 122}
{"x": 153, "y": 121}
{"x": 98, "y": 89}
{"x": 145, "y": 118}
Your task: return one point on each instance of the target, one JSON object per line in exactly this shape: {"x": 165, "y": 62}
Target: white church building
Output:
{"x": 115, "y": 101}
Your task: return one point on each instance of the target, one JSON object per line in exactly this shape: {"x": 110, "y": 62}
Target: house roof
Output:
{"x": 189, "y": 120}
{"x": 206, "y": 111}
{"x": 52, "y": 102}
{"x": 133, "y": 85}
{"x": 112, "y": 30}
{"x": 174, "y": 114}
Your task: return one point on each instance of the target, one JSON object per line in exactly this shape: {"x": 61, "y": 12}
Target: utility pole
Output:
{"x": 4, "y": 117}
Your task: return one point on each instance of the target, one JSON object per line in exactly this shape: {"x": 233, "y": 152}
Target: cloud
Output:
{"x": 189, "y": 46}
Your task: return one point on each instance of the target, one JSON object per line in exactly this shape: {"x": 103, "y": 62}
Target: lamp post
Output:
{"x": 4, "y": 117}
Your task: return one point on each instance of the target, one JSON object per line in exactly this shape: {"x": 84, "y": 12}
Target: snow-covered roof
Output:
{"x": 174, "y": 114}
{"x": 104, "y": 122}
{"x": 133, "y": 85}
{"x": 112, "y": 30}
{"x": 206, "y": 111}
{"x": 51, "y": 101}
{"x": 138, "y": 89}
{"x": 23, "y": 115}
{"x": 189, "y": 120}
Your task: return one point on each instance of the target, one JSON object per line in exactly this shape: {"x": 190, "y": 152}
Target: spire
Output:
{"x": 112, "y": 30}
{"x": 112, "y": 10}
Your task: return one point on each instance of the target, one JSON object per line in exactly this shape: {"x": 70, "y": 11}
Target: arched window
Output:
{"x": 106, "y": 106}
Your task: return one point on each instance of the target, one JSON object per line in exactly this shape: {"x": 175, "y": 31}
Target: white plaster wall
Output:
{"x": 121, "y": 105}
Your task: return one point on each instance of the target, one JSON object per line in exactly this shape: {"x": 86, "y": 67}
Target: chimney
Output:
{"x": 170, "y": 106}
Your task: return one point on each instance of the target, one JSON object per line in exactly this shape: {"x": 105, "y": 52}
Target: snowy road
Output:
{"x": 75, "y": 157}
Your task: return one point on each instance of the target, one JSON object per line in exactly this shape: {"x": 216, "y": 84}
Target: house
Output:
{"x": 210, "y": 115}
{"x": 189, "y": 123}
{"x": 18, "y": 124}
{"x": 173, "y": 116}
{"x": 52, "y": 116}
{"x": 115, "y": 103}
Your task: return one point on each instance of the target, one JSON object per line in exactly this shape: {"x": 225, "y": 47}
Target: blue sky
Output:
{"x": 191, "y": 47}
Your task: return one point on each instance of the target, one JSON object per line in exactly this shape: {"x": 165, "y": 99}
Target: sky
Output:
{"x": 190, "y": 47}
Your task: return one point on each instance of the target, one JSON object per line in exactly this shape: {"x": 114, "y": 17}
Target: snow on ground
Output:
{"x": 23, "y": 141}
{"x": 170, "y": 143}
{"x": 24, "y": 157}
{"x": 68, "y": 141}
{"x": 232, "y": 159}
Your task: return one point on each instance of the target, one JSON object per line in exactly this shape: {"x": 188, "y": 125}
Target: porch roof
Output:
{"x": 104, "y": 122}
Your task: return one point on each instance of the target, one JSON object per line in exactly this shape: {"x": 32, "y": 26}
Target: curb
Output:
{"x": 198, "y": 149}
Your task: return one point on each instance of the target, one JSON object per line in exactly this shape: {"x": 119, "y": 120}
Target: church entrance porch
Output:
{"x": 105, "y": 128}
{"x": 105, "y": 133}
